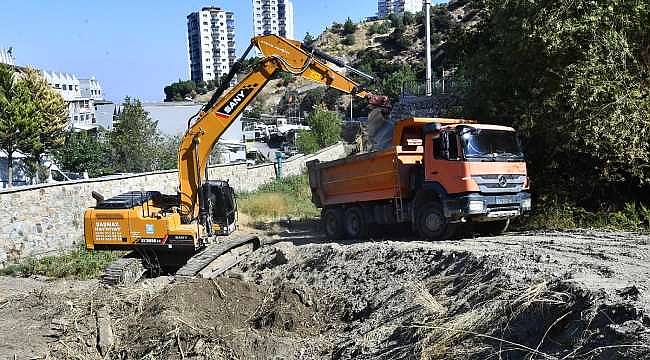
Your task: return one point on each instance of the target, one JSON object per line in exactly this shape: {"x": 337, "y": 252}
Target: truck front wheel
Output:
{"x": 432, "y": 223}
{"x": 355, "y": 223}
{"x": 332, "y": 219}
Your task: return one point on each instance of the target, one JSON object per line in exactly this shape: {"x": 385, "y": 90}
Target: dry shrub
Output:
{"x": 264, "y": 206}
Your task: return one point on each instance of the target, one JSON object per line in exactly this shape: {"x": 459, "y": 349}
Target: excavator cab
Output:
{"x": 221, "y": 207}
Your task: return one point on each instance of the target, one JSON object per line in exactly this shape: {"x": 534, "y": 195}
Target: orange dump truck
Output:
{"x": 438, "y": 175}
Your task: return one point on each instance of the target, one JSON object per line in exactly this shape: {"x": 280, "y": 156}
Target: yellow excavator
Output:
{"x": 191, "y": 232}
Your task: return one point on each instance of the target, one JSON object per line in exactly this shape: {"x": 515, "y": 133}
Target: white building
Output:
{"x": 7, "y": 57}
{"x": 273, "y": 17}
{"x": 91, "y": 88}
{"x": 211, "y": 40}
{"x": 80, "y": 94}
{"x": 387, "y": 7}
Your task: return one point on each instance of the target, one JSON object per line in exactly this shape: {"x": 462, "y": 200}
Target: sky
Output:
{"x": 135, "y": 48}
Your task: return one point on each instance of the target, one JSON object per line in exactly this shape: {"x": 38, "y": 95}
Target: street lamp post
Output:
{"x": 427, "y": 14}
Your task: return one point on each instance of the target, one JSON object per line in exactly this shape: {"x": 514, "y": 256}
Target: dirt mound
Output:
{"x": 510, "y": 297}
{"x": 410, "y": 300}
{"x": 188, "y": 319}
{"x": 226, "y": 318}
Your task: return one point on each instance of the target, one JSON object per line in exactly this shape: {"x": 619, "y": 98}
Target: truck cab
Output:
{"x": 478, "y": 172}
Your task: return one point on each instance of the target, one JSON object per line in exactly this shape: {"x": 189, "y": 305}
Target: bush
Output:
{"x": 349, "y": 27}
{"x": 325, "y": 130}
{"x": 558, "y": 215}
{"x": 77, "y": 264}
{"x": 349, "y": 40}
{"x": 379, "y": 28}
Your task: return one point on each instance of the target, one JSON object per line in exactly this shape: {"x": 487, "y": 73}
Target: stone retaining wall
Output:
{"x": 41, "y": 219}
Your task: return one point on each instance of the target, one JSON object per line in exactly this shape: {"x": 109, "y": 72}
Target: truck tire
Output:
{"x": 491, "y": 228}
{"x": 432, "y": 224}
{"x": 332, "y": 219}
{"x": 355, "y": 223}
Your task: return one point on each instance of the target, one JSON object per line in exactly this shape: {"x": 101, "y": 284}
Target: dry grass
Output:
{"x": 289, "y": 197}
{"x": 265, "y": 206}
{"x": 448, "y": 332}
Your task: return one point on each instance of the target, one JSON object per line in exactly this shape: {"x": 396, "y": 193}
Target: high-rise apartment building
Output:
{"x": 7, "y": 57}
{"x": 273, "y": 17}
{"x": 211, "y": 40}
{"x": 387, "y": 7}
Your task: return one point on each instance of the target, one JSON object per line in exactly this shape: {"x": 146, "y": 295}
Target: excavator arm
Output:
{"x": 279, "y": 54}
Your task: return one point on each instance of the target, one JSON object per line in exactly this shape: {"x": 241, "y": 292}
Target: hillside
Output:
{"x": 391, "y": 50}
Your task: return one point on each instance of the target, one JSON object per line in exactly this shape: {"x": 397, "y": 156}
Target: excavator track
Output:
{"x": 219, "y": 257}
{"x": 124, "y": 272}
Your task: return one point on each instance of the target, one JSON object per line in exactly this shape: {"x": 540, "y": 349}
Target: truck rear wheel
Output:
{"x": 355, "y": 224}
{"x": 493, "y": 228}
{"x": 432, "y": 224}
{"x": 332, "y": 219}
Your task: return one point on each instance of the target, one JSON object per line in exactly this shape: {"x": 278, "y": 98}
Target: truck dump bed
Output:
{"x": 367, "y": 177}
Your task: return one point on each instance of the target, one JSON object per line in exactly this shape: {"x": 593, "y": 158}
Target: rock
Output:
{"x": 105, "y": 336}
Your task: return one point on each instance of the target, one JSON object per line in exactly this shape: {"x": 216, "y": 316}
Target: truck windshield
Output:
{"x": 488, "y": 144}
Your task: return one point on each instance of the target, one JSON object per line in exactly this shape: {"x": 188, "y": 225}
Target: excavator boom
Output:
{"x": 279, "y": 54}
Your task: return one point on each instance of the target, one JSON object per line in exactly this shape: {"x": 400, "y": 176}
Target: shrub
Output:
{"x": 349, "y": 40}
{"x": 349, "y": 27}
{"x": 77, "y": 264}
{"x": 379, "y": 28}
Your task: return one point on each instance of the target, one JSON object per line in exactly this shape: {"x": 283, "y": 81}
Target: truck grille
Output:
{"x": 491, "y": 184}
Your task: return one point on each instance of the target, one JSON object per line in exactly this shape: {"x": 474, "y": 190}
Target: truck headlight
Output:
{"x": 476, "y": 206}
{"x": 526, "y": 204}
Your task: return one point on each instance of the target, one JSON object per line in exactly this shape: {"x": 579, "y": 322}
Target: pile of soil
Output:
{"x": 225, "y": 318}
{"x": 504, "y": 298}
{"x": 411, "y": 300}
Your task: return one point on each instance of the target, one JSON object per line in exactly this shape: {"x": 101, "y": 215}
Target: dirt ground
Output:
{"x": 554, "y": 295}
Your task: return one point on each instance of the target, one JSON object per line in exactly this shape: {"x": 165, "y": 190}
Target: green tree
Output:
{"x": 180, "y": 90}
{"x": 574, "y": 79}
{"x": 85, "y": 151}
{"x": 309, "y": 40}
{"x": 134, "y": 139}
{"x": 325, "y": 130}
{"x": 391, "y": 85}
{"x": 349, "y": 27}
{"x": 50, "y": 117}
{"x": 17, "y": 125}
{"x": 167, "y": 152}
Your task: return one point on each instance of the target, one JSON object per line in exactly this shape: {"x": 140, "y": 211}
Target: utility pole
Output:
{"x": 427, "y": 14}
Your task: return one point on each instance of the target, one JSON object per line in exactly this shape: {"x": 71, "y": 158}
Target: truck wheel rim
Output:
{"x": 353, "y": 224}
{"x": 433, "y": 223}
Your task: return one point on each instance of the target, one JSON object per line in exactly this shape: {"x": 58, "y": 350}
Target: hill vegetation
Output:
{"x": 572, "y": 78}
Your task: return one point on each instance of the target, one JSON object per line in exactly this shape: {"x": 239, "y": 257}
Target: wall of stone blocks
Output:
{"x": 43, "y": 219}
